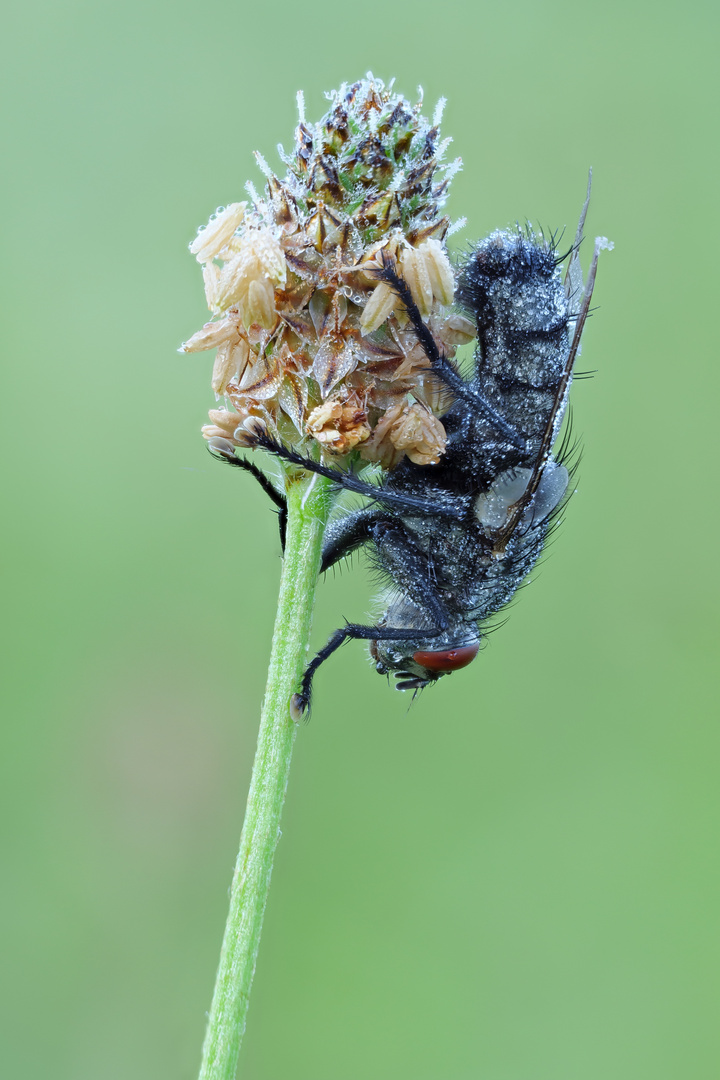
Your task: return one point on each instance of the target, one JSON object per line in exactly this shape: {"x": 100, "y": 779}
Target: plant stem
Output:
{"x": 309, "y": 501}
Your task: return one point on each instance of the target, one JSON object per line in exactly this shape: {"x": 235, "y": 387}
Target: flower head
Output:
{"x": 309, "y": 341}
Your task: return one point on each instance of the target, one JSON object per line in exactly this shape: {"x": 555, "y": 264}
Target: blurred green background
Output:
{"x": 515, "y": 879}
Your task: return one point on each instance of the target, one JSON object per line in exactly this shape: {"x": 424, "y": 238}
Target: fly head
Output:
{"x": 423, "y": 659}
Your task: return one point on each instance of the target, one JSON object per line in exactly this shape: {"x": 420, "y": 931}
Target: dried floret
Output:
{"x": 406, "y": 429}
{"x": 211, "y": 240}
{"x": 213, "y": 334}
{"x": 230, "y": 362}
{"x": 339, "y": 425}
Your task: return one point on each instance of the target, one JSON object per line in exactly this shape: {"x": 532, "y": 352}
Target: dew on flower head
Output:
{"x": 289, "y": 276}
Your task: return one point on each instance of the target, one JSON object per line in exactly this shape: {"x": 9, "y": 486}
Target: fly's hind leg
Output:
{"x": 442, "y": 366}
{"x": 224, "y": 449}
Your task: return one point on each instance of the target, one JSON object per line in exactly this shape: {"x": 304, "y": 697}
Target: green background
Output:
{"x": 516, "y": 878}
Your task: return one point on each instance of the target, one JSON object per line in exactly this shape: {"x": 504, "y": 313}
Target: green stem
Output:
{"x": 309, "y": 502}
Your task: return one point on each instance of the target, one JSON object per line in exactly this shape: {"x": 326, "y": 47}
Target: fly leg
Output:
{"x": 300, "y": 703}
{"x": 224, "y": 449}
{"x": 444, "y": 505}
{"x": 442, "y": 366}
{"x": 410, "y": 566}
{"x": 348, "y": 534}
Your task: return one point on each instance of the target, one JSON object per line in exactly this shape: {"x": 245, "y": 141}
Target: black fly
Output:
{"x": 456, "y": 539}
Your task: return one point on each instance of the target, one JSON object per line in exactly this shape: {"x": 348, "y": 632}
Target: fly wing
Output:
{"x": 517, "y": 510}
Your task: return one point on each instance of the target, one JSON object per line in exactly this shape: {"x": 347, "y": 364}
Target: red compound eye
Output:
{"x": 449, "y": 660}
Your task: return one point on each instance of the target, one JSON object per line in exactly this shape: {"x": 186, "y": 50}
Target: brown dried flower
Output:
{"x": 411, "y": 430}
{"x": 340, "y": 424}
{"x": 309, "y": 342}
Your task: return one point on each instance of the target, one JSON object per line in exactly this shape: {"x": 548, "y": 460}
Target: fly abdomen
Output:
{"x": 512, "y": 285}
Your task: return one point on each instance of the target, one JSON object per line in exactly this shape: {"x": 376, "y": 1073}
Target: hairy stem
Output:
{"x": 309, "y": 501}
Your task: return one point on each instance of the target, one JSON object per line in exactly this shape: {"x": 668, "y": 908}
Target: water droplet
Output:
{"x": 220, "y": 210}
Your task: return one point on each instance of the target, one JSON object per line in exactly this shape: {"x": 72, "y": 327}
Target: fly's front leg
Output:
{"x": 387, "y": 534}
{"x": 300, "y": 703}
